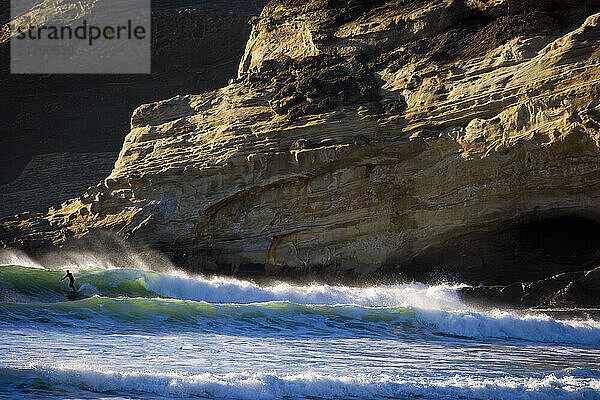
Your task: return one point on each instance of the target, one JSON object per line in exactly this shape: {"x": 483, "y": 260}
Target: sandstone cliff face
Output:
{"x": 405, "y": 137}
{"x": 62, "y": 133}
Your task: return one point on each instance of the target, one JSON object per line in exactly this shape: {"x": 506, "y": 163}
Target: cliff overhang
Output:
{"x": 406, "y": 138}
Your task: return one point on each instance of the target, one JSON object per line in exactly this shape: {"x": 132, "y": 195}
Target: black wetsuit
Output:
{"x": 71, "y": 280}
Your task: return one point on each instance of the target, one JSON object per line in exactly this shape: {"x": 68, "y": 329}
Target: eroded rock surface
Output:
{"x": 405, "y": 137}
{"x": 196, "y": 46}
{"x": 569, "y": 289}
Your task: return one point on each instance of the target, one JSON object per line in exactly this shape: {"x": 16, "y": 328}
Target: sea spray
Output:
{"x": 147, "y": 334}
{"x": 148, "y": 300}
{"x": 16, "y": 257}
{"x": 141, "y": 283}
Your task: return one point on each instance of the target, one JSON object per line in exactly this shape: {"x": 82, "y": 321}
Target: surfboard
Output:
{"x": 75, "y": 295}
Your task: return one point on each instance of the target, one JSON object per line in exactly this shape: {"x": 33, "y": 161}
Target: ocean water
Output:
{"x": 138, "y": 334}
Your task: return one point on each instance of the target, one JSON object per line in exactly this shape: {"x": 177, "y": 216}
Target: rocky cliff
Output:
{"x": 62, "y": 133}
{"x": 404, "y": 137}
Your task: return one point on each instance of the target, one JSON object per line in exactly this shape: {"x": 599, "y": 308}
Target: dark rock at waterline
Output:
{"x": 570, "y": 289}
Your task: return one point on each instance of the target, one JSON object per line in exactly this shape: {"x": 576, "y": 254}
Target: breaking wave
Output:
{"x": 567, "y": 385}
{"x": 147, "y": 300}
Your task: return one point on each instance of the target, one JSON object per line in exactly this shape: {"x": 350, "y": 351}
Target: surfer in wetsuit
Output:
{"x": 71, "y": 280}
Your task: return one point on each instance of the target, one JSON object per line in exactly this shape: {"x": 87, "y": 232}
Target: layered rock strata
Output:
{"x": 405, "y": 137}
{"x": 73, "y": 119}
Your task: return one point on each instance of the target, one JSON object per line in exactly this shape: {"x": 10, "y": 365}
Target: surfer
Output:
{"x": 71, "y": 280}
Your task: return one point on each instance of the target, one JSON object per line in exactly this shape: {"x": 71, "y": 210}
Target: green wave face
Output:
{"x": 117, "y": 300}
{"x": 30, "y": 284}
{"x": 111, "y": 284}
{"x": 262, "y": 319}
{"x": 25, "y": 285}
{"x": 121, "y": 300}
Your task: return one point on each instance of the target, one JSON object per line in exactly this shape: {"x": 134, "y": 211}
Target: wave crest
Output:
{"x": 316, "y": 386}
{"x": 139, "y": 300}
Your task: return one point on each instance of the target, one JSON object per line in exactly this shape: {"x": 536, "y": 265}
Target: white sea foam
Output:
{"x": 89, "y": 290}
{"x": 313, "y": 385}
{"x": 230, "y": 290}
{"x": 438, "y": 309}
{"x": 506, "y": 325}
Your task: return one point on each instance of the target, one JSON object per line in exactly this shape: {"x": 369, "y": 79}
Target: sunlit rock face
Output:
{"x": 62, "y": 133}
{"x": 409, "y": 138}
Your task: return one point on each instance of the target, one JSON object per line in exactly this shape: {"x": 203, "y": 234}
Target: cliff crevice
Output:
{"x": 402, "y": 137}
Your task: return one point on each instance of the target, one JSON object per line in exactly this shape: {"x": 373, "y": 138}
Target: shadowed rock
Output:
{"x": 564, "y": 290}
{"x": 377, "y": 136}
{"x": 73, "y": 126}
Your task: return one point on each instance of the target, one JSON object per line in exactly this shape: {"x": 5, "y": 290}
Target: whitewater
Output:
{"x": 143, "y": 334}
